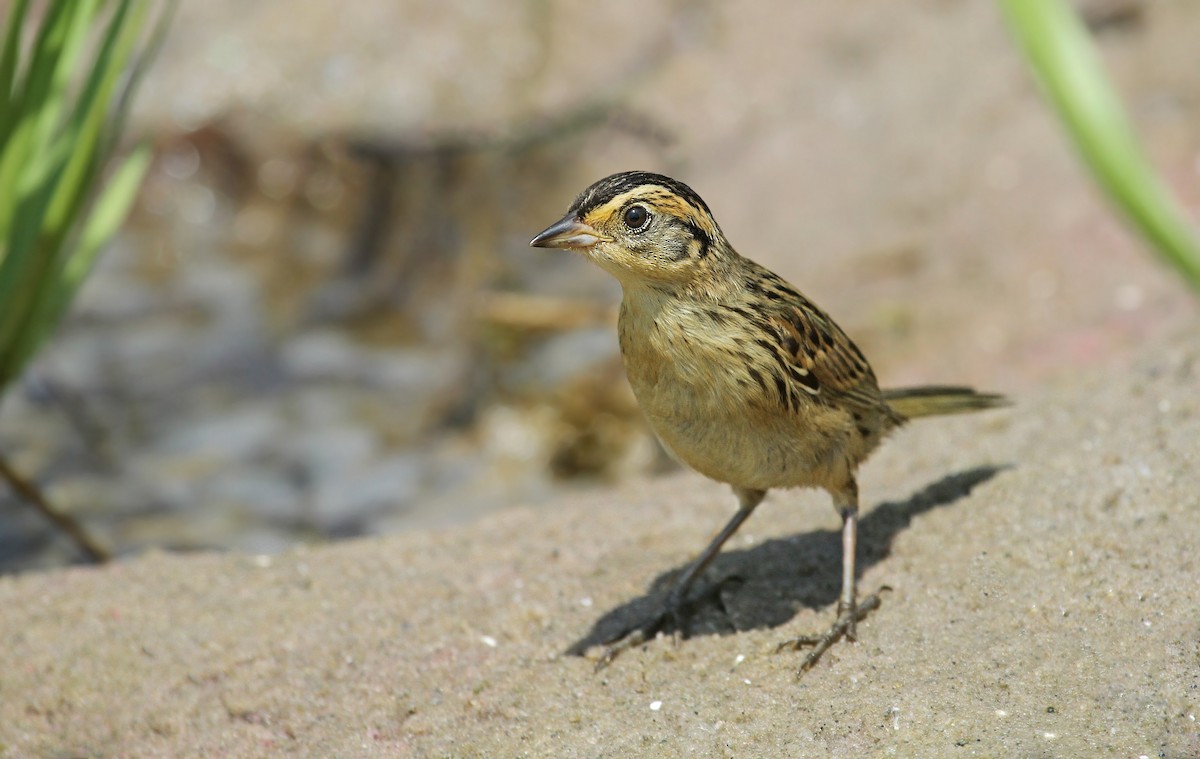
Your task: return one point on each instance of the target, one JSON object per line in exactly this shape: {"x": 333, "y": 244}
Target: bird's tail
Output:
{"x": 935, "y": 400}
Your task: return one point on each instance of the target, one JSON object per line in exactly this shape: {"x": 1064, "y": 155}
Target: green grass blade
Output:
{"x": 1069, "y": 69}
{"x": 18, "y": 327}
{"x": 25, "y": 163}
{"x": 28, "y": 267}
{"x": 109, "y": 213}
{"x": 56, "y": 50}
{"x": 141, "y": 64}
{"x": 44, "y": 223}
{"x": 8, "y": 60}
{"x": 107, "y": 216}
{"x": 87, "y": 124}
{"x": 50, "y": 166}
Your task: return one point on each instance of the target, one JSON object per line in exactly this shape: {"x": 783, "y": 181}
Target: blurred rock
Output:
{"x": 242, "y": 435}
{"x": 259, "y": 492}
{"x": 564, "y": 357}
{"x": 350, "y": 504}
{"x": 323, "y": 355}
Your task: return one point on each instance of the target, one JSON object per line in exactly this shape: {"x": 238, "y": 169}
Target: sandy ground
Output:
{"x": 1044, "y": 603}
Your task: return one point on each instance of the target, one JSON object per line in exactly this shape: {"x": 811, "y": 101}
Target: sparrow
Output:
{"x": 742, "y": 378}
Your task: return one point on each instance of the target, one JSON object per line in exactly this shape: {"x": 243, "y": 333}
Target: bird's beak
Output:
{"x": 568, "y": 232}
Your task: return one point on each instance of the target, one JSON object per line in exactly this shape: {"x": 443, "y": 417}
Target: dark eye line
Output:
{"x": 700, "y": 237}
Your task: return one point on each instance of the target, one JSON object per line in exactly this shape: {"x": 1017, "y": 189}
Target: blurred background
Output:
{"x": 323, "y": 320}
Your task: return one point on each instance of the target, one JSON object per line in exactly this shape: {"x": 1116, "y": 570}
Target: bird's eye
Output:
{"x": 637, "y": 218}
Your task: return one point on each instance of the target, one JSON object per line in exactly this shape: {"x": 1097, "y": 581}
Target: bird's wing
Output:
{"x": 820, "y": 358}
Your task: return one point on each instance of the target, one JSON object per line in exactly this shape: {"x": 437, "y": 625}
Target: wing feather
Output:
{"x": 818, "y": 357}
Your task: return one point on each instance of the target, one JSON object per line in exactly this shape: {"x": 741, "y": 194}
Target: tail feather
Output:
{"x": 934, "y": 400}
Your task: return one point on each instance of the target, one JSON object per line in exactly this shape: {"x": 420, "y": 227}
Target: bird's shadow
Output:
{"x": 764, "y": 586}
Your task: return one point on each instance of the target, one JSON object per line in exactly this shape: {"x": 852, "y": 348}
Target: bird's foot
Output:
{"x": 671, "y": 616}
{"x": 844, "y": 627}
{"x": 631, "y": 637}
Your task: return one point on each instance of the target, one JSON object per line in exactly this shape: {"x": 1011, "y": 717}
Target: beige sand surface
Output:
{"x": 1045, "y": 603}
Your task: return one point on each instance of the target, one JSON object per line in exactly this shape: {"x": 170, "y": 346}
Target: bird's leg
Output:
{"x": 638, "y": 634}
{"x": 849, "y": 610}
{"x": 847, "y": 507}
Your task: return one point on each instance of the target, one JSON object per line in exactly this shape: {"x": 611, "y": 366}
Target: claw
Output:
{"x": 670, "y": 616}
{"x": 843, "y": 627}
{"x": 635, "y": 638}
{"x": 631, "y": 638}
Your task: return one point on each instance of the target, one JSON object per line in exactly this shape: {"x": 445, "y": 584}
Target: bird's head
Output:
{"x": 642, "y": 228}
